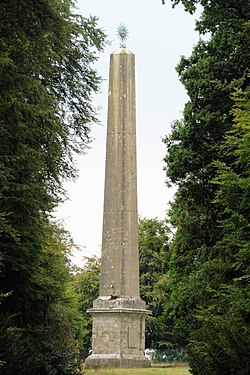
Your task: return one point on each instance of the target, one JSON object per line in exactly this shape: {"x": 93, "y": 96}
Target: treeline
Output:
{"x": 46, "y": 84}
{"x": 208, "y": 158}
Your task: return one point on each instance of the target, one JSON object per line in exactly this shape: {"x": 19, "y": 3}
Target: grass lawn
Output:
{"x": 176, "y": 370}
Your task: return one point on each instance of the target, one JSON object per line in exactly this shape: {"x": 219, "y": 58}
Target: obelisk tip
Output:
{"x": 122, "y": 32}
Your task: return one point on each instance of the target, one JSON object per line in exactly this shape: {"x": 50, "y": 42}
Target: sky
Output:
{"x": 158, "y": 36}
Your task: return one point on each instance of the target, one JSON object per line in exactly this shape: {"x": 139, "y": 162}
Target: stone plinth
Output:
{"x": 118, "y": 338}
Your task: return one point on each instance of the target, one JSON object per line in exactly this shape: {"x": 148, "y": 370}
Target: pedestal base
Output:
{"x": 112, "y": 360}
{"x": 118, "y": 338}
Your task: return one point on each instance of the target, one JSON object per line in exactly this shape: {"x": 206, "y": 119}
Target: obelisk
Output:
{"x": 118, "y": 338}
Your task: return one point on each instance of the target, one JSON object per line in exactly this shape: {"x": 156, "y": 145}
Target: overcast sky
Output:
{"x": 158, "y": 36}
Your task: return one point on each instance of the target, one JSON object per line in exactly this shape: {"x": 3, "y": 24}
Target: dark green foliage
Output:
{"x": 44, "y": 334}
{"x": 46, "y": 83}
{"x": 153, "y": 246}
{"x": 208, "y": 158}
{"x": 220, "y": 343}
{"x": 222, "y": 339}
{"x": 86, "y": 285}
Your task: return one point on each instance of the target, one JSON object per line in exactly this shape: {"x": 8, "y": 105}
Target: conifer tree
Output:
{"x": 203, "y": 261}
{"x": 46, "y": 84}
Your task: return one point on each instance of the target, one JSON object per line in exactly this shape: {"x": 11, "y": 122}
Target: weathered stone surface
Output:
{"x": 118, "y": 303}
{"x": 110, "y": 360}
{"x": 119, "y": 314}
{"x": 118, "y": 335}
{"x": 120, "y": 260}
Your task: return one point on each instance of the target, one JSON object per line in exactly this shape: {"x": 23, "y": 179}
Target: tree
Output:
{"x": 49, "y": 340}
{"x": 46, "y": 85}
{"x": 223, "y": 336}
{"x": 217, "y": 67}
{"x": 86, "y": 285}
{"x": 153, "y": 246}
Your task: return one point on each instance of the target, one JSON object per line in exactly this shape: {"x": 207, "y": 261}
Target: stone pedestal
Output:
{"x": 118, "y": 338}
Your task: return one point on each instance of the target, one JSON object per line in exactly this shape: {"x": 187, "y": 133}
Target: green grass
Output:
{"x": 183, "y": 370}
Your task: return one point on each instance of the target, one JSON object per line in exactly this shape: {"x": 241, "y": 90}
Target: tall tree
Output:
{"x": 44, "y": 336}
{"x": 218, "y": 66}
{"x": 46, "y": 85}
{"x": 220, "y": 343}
{"x": 153, "y": 246}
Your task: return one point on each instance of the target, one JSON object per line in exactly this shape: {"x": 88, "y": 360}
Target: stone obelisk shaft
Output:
{"x": 118, "y": 337}
{"x": 120, "y": 259}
